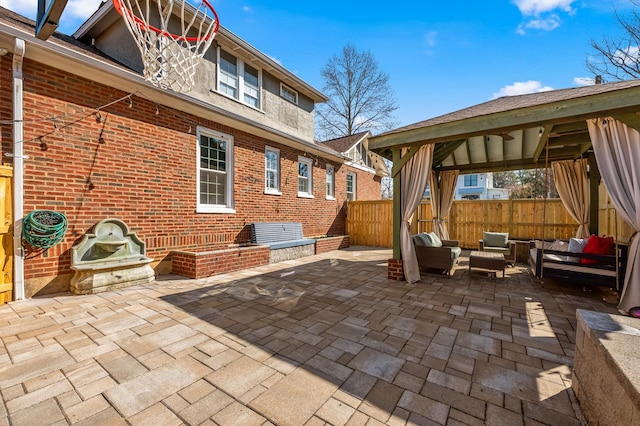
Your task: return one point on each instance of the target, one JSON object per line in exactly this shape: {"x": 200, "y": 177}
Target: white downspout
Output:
{"x": 18, "y": 170}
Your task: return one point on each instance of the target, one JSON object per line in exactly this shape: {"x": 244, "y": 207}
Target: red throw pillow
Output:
{"x": 598, "y": 245}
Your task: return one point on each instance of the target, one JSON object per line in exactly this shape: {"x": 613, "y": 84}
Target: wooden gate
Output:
{"x": 6, "y": 235}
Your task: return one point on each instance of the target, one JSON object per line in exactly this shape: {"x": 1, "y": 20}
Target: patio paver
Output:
{"x": 325, "y": 339}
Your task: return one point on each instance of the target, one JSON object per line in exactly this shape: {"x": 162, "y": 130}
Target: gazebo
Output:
{"x": 596, "y": 125}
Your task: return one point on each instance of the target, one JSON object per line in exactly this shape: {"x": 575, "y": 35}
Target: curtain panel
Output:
{"x": 617, "y": 151}
{"x": 573, "y": 187}
{"x": 413, "y": 177}
{"x": 442, "y": 194}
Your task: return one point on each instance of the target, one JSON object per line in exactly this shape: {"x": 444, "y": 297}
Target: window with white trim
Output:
{"x": 305, "y": 177}
{"x": 289, "y": 94}
{"x": 271, "y": 170}
{"x": 215, "y": 172}
{"x": 331, "y": 187}
{"x": 238, "y": 80}
{"x": 351, "y": 186}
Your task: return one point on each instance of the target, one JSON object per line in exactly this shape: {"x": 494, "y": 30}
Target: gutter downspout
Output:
{"x": 18, "y": 169}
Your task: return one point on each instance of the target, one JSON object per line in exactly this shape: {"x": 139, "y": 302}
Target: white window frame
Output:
{"x": 242, "y": 86}
{"x": 354, "y": 190}
{"x": 331, "y": 182}
{"x": 284, "y": 95}
{"x": 229, "y": 166}
{"x": 309, "y": 163}
{"x": 276, "y": 190}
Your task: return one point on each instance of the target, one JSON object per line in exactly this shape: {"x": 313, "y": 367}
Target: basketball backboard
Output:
{"x": 48, "y": 17}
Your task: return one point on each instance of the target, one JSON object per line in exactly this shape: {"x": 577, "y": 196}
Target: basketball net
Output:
{"x": 170, "y": 60}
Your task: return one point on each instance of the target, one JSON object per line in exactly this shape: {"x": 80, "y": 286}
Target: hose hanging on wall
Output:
{"x": 44, "y": 228}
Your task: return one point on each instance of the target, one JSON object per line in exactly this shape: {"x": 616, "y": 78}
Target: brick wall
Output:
{"x": 140, "y": 167}
{"x": 324, "y": 245}
{"x": 207, "y": 264}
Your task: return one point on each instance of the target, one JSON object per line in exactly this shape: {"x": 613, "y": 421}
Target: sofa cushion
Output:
{"x": 455, "y": 252}
{"x": 495, "y": 239}
{"x": 504, "y": 250}
{"x": 598, "y": 245}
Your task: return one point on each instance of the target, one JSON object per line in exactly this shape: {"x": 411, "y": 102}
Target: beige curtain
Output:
{"x": 413, "y": 176}
{"x": 573, "y": 187}
{"x": 442, "y": 195}
{"x": 617, "y": 151}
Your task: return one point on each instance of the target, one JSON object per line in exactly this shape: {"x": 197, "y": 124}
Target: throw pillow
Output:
{"x": 576, "y": 245}
{"x": 437, "y": 242}
{"x": 495, "y": 239}
{"x": 598, "y": 245}
{"x": 426, "y": 240}
{"x": 417, "y": 240}
{"x": 559, "y": 245}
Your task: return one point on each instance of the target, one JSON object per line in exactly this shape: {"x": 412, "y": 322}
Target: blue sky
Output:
{"x": 440, "y": 56}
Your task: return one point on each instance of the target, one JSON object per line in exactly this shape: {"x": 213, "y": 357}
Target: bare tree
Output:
{"x": 387, "y": 182}
{"x": 360, "y": 97}
{"x": 619, "y": 57}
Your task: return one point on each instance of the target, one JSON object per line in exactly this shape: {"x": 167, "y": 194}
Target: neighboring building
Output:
{"x": 355, "y": 147}
{"x": 183, "y": 171}
{"x": 478, "y": 186}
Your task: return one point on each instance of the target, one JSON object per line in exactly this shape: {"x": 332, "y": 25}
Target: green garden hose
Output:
{"x": 44, "y": 228}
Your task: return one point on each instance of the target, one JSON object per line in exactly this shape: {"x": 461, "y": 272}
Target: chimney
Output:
{"x": 598, "y": 79}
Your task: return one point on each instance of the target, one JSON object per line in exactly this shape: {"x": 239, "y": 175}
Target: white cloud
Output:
{"x": 81, "y": 9}
{"x": 246, "y": 9}
{"x": 538, "y": 7}
{"x": 629, "y": 56}
{"x": 430, "y": 38}
{"x": 584, "y": 81}
{"x": 543, "y": 24}
{"x": 521, "y": 88}
{"x": 26, "y": 8}
{"x": 542, "y": 15}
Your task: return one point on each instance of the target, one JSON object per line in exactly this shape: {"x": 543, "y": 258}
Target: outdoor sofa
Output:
{"x": 602, "y": 262}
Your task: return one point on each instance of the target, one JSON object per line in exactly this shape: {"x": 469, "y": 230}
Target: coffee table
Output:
{"x": 487, "y": 260}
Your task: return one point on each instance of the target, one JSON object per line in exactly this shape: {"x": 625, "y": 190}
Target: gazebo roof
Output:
{"x": 512, "y": 132}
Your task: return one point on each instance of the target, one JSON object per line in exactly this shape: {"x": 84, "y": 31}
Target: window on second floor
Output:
{"x": 305, "y": 177}
{"x": 471, "y": 180}
{"x": 238, "y": 80}
{"x": 289, "y": 94}
{"x": 331, "y": 187}
{"x": 272, "y": 170}
{"x": 358, "y": 155}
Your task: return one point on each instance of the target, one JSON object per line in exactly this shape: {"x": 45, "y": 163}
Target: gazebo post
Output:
{"x": 594, "y": 194}
{"x": 397, "y": 202}
{"x": 394, "y": 265}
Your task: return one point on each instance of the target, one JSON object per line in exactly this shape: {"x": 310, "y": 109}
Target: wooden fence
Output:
{"x": 369, "y": 223}
{"x": 6, "y": 235}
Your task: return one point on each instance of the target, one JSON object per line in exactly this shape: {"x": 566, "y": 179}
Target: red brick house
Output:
{"x": 186, "y": 172}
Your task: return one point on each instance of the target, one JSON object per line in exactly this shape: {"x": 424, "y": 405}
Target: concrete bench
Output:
{"x": 285, "y": 240}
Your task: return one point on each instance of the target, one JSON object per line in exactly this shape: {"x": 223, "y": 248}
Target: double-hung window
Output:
{"x": 272, "y": 170}
{"x": 351, "y": 186}
{"x": 215, "y": 172}
{"x": 238, "y": 79}
{"x": 305, "y": 177}
{"x": 331, "y": 187}
{"x": 471, "y": 180}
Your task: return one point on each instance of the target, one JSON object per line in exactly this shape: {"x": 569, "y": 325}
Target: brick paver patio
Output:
{"x": 320, "y": 340}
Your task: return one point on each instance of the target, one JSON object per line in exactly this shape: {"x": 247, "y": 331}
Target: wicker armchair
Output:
{"x": 498, "y": 242}
{"x": 443, "y": 257}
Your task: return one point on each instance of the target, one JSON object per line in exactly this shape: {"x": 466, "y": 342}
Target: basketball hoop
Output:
{"x": 170, "y": 60}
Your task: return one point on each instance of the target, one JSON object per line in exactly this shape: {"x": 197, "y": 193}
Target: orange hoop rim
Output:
{"x": 144, "y": 26}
